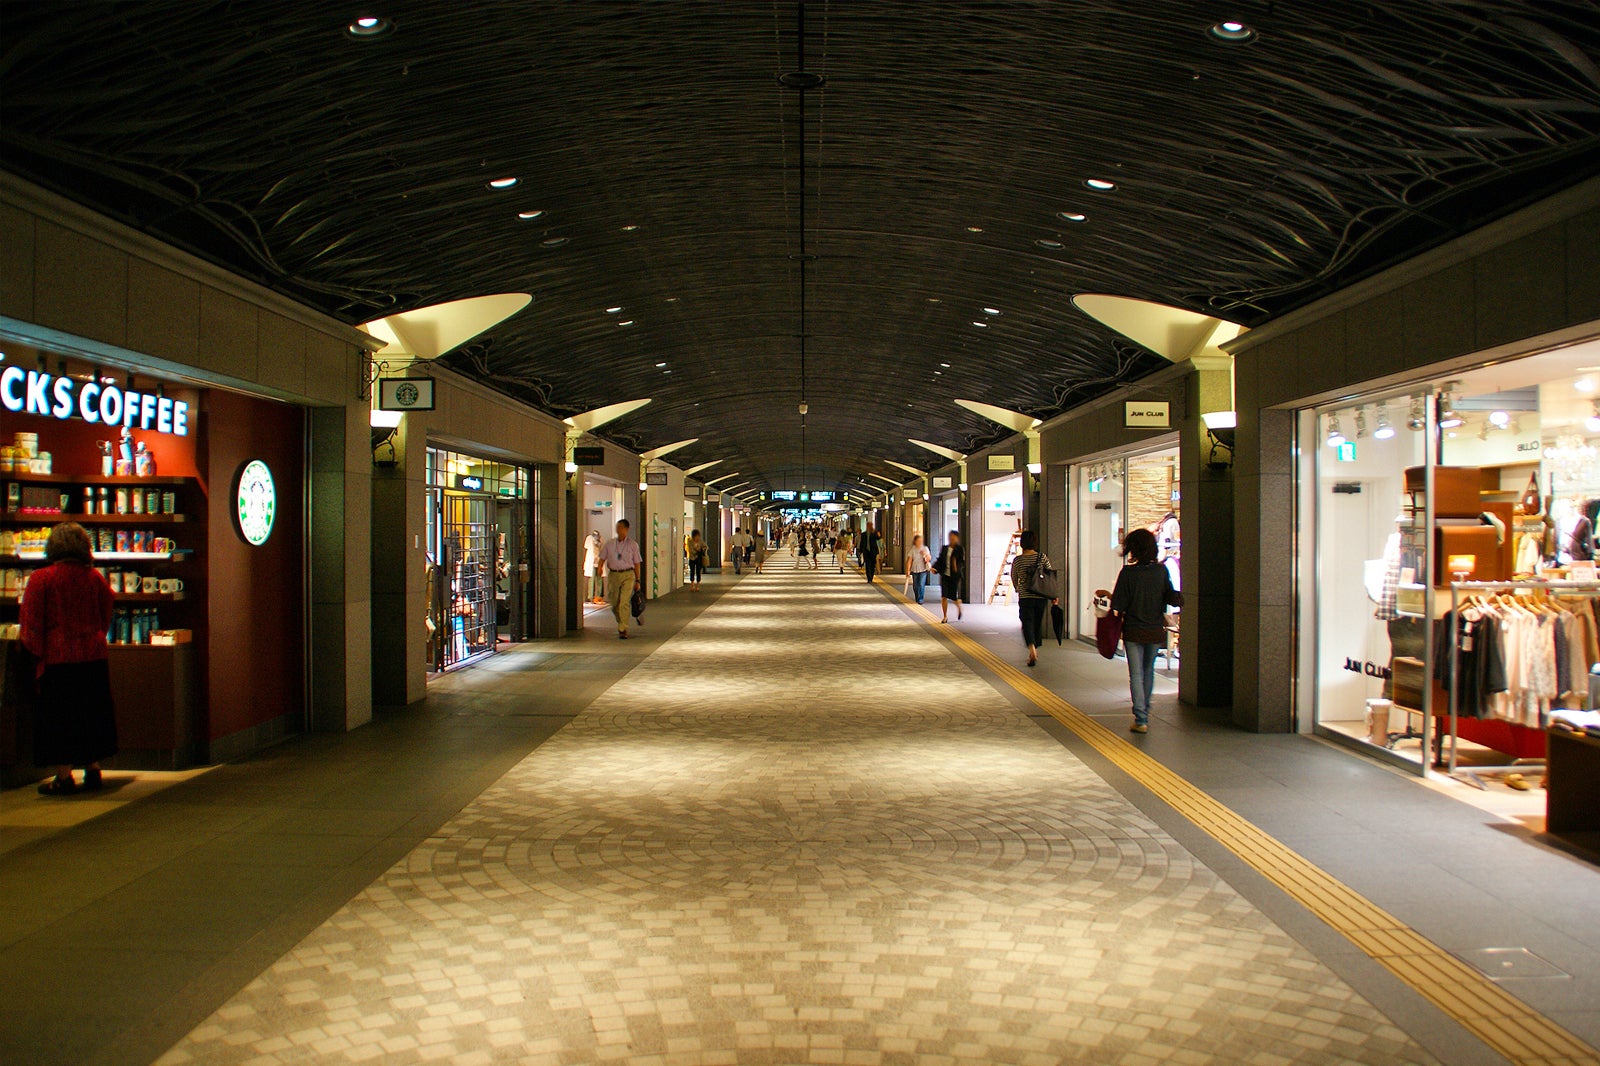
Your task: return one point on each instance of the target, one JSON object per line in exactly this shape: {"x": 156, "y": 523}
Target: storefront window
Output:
{"x": 1513, "y": 496}
{"x": 479, "y": 532}
{"x": 1112, "y": 497}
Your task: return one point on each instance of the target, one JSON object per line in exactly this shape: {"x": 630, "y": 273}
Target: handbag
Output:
{"x": 1108, "y": 634}
{"x": 1046, "y": 580}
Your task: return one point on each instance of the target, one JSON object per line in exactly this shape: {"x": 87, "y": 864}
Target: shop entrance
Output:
{"x": 1000, "y": 524}
{"x": 1111, "y": 497}
{"x": 513, "y": 575}
{"x": 604, "y": 504}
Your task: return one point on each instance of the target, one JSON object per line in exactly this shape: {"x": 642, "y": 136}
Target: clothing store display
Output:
{"x": 1518, "y": 657}
{"x": 1580, "y": 542}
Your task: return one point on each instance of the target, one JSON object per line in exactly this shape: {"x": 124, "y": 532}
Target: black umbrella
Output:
{"x": 1058, "y": 618}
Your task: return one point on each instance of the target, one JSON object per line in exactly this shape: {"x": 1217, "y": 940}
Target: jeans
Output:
{"x": 696, "y": 568}
{"x": 1141, "y": 677}
{"x": 738, "y": 560}
{"x": 1031, "y": 609}
{"x": 919, "y": 582}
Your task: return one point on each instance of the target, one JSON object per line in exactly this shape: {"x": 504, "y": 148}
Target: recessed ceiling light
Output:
{"x": 1046, "y": 242}
{"x": 613, "y": 310}
{"x": 945, "y": 365}
{"x": 626, "y": 322}
{"x": 974, "y": 229}
{"x": 938, "y": 373}
{"x": 503, "y": 183}
{"x": 369, "y": 26}
{"x": 1100, "y": 184}
{"x": 672, "y": 299}
{"x": 1071, "y": 216}
{"x": 933, "y": 299}
{"x": 666, "y": 371}
{"x": 1233, "y": 32}
{"x": 981, "y": 325}
{"x": 554, "y": 242}
{"x": 525, "y": 215}
{"x": 660, "y": 365}
{"x": 991, "y": 310}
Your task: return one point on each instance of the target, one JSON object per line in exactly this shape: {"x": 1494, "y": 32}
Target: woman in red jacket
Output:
{"x": 66, "y": 611}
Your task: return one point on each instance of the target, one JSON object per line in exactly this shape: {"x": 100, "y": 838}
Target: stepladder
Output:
{"x": 1002, "y": 575}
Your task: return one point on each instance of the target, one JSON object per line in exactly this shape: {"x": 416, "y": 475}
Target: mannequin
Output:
{"x": 591, "y": 565}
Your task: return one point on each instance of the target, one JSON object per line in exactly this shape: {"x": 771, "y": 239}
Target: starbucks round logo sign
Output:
{"x": 407, "y": 394}
{"x": 255, "y": 502}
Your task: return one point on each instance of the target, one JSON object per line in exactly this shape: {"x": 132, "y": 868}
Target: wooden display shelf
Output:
{"x": 88, "y": 479}
{"x": 127, "y": 597}
{"x": 13, "y": 519}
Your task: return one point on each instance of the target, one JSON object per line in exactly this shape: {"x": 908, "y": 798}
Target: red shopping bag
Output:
{"x": 1108, "y": 634}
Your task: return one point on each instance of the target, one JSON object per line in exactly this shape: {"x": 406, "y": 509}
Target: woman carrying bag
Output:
{"x": 1144, "y": 592}
{"x": 697, "y": 559}
{"x": 1037, "y": 586}
{"x": 919, "y": 564}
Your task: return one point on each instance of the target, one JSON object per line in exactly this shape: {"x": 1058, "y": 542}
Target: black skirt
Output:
{"x": 74, "y": 721}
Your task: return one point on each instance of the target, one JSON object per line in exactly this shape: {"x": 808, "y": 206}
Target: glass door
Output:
{"x": 465, "y": 587}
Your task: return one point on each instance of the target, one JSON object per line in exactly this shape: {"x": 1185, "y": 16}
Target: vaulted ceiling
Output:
{"x": 945, "y": 154}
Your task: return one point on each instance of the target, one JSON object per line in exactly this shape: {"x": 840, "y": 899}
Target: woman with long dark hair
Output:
{"x": 1144, "y": 592}
{"x": 66, "y": 611}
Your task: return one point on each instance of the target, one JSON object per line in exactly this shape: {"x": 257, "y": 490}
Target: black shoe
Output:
{"x": 92, "y": 781}
{"x": 58, "y": 786}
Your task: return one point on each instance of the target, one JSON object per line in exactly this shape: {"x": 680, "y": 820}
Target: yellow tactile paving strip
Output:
{"x": 1499, "y": 1019}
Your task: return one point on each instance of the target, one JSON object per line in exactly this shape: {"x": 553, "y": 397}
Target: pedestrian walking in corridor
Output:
{"x": 919, "y": 564}
{"x": 740, "y": 544}
{"x": 760, "y": 548}
{"x": 951, "y": 566}
{"x": 65, "y": 615}
{"x": 624, "y": 565}
{"x": 697, "y": 551}
{"x": 871, "y": 544}
{"x": 1031, "y": 605}
{"x": 841, "y": 549}
{"x": 1143, "y": 593}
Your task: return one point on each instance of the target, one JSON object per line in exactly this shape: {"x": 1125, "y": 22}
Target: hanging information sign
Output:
{"x": 405, "y": 394}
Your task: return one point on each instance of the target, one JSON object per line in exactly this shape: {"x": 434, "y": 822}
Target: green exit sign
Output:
{"x": 1347, "y": 452}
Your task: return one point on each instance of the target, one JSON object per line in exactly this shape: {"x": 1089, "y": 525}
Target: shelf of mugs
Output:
{"x": 55, "y": 518}
{"x": 107, "y": 557}
{"x": 120, "y": 597}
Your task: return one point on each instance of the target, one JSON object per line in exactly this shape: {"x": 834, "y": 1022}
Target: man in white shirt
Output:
{"x": 624, "y": 565}
{"x": 741, "y": 544}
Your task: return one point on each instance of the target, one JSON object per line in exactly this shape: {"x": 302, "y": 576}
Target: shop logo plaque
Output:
{"x": 405, "y": 394}
{"x": 255, "y": 502}
{"x": 1147, "y": 414}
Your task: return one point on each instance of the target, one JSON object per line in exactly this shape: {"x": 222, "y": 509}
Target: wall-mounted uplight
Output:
{"x": 572, "y": 467}
{"x": 1035, "y": 468}
{"x": 384, "y": 419}
{"x": 962, "y": 486}
{"x": 1221, "y": 419}
{"x": 644, "y": 485}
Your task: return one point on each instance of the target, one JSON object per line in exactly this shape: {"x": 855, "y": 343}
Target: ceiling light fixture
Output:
{"x": 1448, "y": 417}
{"x": 368, "y": 26}
{"x": 1419, "y": 415}
{"x": 626, "y": 322}
{"x": 1233, "y": 32}
{"x": 554, "y": 242}
{"x": 1385, "y": 428}
{"x": 629, "y": 228}
{"x": 974, "y": 229}
{"x": 613, "y": 310}
{"x": 991, "y": 311}
{"x": 1100, "y": 184}
{"x": 1046, "y": 242}
{"x": 503, "y": 183}
{"x": 1336, "y": 435}
{"x": 1361, "y": 423}
{"x": 980, "y": 325}
{"x": 660, "y": 365}
{"x": 529, "y": 215}
{"x": 1071, "y": 216}
{"x": 1500, "y": 419}
{"x": 945, "y": 365}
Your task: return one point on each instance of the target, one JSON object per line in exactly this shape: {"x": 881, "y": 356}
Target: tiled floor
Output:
{"x": 801, "y": 830}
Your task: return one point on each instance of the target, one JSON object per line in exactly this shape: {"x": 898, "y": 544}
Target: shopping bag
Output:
{"x": 1108, "y": 634}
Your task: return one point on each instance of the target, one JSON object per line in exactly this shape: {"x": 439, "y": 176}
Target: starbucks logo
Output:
{"x": 255, "y": 502}
{"x": 406, "y": 394}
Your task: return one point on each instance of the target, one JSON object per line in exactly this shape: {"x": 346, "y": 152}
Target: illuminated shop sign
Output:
{"x": 784, "y": 494}
{"x": 255, "y": 502}
{"x": 33, "y": 392}
{"x": 469, "y": 483}
{"x": 821, "y": 497}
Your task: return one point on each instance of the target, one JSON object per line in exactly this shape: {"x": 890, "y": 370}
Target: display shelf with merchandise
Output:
{"x": 60, "y": 517}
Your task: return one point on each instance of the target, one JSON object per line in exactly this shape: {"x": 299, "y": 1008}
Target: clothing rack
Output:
{"x": 1576, "y": 589}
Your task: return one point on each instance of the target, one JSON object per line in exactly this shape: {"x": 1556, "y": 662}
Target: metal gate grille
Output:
{"x": 467, "y": 568}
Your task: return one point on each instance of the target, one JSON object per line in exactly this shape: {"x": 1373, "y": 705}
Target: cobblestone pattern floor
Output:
{"x": 801, "y": 831}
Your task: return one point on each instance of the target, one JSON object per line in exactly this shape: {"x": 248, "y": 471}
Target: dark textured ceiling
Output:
{"x": 1251, "y": 179}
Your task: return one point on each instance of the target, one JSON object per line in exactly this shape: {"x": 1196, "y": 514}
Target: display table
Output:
{"x": 156, "y": 695}
{"x": 1572, "y": 799}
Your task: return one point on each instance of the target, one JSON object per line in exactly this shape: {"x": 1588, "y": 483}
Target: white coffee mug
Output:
{"x": 169, "y": 585}
{"x": 130, "y": 582}
{"x": 115, "y": 580}
{"x": 150, "y": 585}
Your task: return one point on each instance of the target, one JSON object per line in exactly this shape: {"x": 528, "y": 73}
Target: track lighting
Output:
{"x": 1336, "y": 435}
{"x": 1448, "y": 417}
{"x": 1361, "y": 423}
{"x": 1418, "y": 420}
{"x": 1385, "y": 429}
